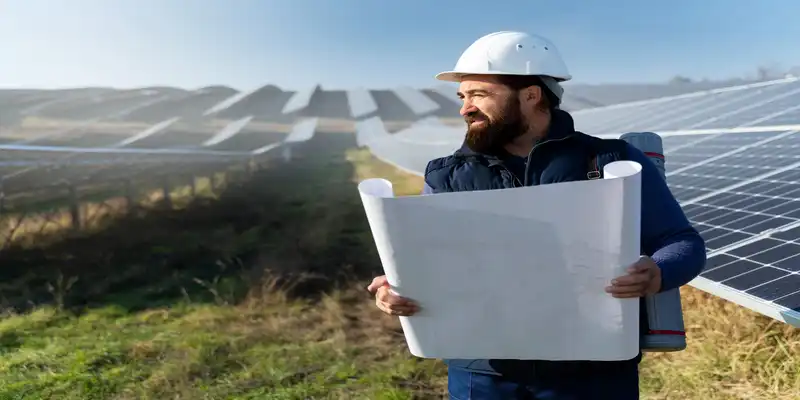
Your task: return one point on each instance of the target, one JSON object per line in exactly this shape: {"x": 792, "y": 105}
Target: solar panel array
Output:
{"x": 732, "y": 153}
{"x": 733, "y": 162}
{"x": 53, "y": 139}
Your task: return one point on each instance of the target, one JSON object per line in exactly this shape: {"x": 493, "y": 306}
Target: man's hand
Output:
{"x": 388, "y": 302}
{"x": 643, "y": 279}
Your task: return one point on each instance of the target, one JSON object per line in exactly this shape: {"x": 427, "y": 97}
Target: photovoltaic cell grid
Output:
{"x": 674, "y": 143}
{"x": 719, "y": 160}
{"x": 775, "y": 98}
{"x": 741, "y": 191}
{"x": 726, "y": 112}
{"x": 747, "y": 211}
{"x": 773, "y": 103}
{"x": 767, "y": 268}
{"x": 741, "y": 194}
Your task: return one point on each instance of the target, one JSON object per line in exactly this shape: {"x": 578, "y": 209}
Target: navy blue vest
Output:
{"x": 564, "y": 155}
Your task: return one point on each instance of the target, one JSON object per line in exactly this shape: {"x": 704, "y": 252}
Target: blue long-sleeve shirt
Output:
{"x": 667, "y": 235}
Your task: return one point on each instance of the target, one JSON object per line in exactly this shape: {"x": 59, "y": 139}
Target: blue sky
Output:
{"x": 376, "y": 43}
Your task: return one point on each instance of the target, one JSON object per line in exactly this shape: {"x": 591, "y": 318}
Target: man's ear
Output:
{"x": 532, "y": 94}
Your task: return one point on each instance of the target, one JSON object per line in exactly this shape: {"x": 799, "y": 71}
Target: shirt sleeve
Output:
{"x": 667, "y": 235}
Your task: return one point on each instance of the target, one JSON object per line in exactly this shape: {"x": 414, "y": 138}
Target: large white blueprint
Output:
{"x": 514, "y": 273}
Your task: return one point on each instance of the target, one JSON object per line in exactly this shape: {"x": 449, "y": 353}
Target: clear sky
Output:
{"x": 377, "y": 43}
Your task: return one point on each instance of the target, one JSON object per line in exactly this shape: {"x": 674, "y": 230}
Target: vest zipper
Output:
{"x": 530, "y": 154}
{"x": 516, "y": 180}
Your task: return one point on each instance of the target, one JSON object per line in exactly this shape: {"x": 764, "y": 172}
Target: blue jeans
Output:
{"x": 548, "y": 382}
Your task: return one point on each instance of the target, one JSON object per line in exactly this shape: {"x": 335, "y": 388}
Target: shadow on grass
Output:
{"x": 298, "y": 219}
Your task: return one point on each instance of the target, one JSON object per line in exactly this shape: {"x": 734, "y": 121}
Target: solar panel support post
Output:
{"x": 249, "y": 167}
{"x": 130, "y": 195}
{"x": 287, "y": 153}
{"x": 213, "y": 181}
{"x": 166, "y": 192}
{"x": 74, "y": 207}
{"x": 193, "y": 185}
{"x": 2, "y": 198}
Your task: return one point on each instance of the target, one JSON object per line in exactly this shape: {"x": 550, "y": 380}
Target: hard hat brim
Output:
{"x": 450, "y": 76}
{"x": 454, "y": 76}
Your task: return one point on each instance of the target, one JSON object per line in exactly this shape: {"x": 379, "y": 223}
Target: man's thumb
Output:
{"x": 377, "y": 283}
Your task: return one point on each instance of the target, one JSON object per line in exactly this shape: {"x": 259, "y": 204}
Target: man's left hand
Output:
{"x": 643, "y": 279}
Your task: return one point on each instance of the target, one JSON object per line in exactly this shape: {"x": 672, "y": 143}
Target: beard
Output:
{"x": 494, "y": 134}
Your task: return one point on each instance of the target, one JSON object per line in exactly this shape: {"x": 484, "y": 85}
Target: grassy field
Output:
{"x": 258, "y": 293}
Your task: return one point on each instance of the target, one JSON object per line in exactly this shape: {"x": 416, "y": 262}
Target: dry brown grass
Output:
{"x": 733, "y": 353}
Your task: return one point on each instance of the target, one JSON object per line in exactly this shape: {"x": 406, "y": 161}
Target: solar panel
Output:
{"x": 775, "y": 97}
{"x": 431, "y": 131}
{"x": 361, "y": 103}
{"x": 780, "y": 116}
{"x": 761, "y": 274}
{"x": 299, "y": 100}
{"x": 729, "y": 160}
{"x": 150, "y": 131}
{"x": 718, "y": 108}
{"x": 192, "y": 104}
{"x": 670, "y": 117}
{"x": 396, "y": 149}
{"x": 696, "y": 150}
{"x": 228, "y": 131}
{"x": 416, "y": 100}
{"x": 229, "y": 101}
{"x": 302, "y": 131}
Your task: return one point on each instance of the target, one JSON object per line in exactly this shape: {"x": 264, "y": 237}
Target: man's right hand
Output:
{"x": 388, "y": 302}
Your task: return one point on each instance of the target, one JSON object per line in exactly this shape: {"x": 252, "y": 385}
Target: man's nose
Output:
{"x": 467, "y": 108}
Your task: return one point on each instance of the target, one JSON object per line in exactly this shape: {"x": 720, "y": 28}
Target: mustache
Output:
{"x": 476, "y": 116}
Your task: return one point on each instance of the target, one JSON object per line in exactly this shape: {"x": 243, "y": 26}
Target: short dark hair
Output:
{"x": 519, "y": 82}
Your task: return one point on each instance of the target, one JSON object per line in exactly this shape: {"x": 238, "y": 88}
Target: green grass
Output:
{"x": 260, "y": 350}
{"x": 257, "y": 293}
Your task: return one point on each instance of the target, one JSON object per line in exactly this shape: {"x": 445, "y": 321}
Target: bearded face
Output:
{"x": 488, "y": 134}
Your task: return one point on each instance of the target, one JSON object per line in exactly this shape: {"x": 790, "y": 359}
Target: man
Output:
{"x": 517, "y": 136}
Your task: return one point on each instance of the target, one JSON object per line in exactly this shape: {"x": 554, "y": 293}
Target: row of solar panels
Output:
{"x": 244, "y": 135}
{"x": 153, "y": 105}
{"x": 29, "y": 167}
{"x": 741, "y": 190}
{"x": 268, "y": 103}
{"x": 770, "y": 103}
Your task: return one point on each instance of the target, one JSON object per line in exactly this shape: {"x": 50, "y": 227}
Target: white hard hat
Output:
{"x": 509, "y": 53}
